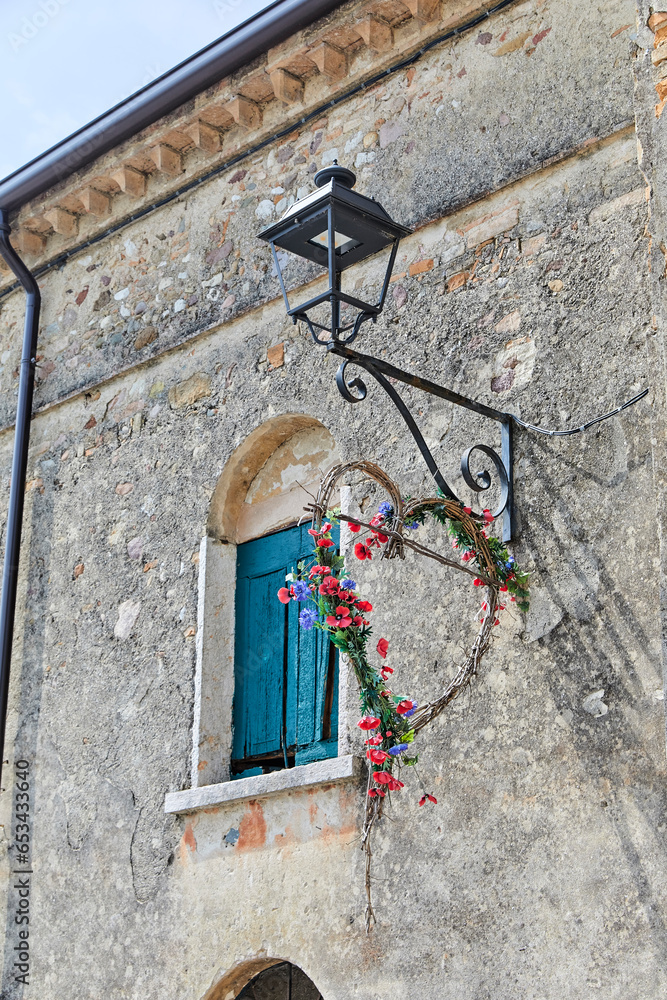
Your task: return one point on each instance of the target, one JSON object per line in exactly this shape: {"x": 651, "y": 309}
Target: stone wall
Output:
{"x": 540, "y": 873}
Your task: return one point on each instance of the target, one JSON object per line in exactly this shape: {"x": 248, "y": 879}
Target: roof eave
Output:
{"x": 218, "y": 60}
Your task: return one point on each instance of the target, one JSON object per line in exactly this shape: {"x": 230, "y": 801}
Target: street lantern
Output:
{"x": 336, "y": 228}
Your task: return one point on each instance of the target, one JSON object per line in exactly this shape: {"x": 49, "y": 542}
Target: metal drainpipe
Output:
{"x": 19, "y": 467}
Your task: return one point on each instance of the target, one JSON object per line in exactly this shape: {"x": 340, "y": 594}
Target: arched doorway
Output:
{"x": 280, "y": 982}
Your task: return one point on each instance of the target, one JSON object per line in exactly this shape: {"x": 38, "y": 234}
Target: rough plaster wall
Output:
{"x": 541, "y": 871}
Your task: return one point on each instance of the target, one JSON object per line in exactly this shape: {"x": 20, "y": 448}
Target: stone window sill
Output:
{"x": 323, "y": 772}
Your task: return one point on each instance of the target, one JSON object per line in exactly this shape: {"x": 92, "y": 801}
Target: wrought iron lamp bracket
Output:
{"x": 385, "y": 374}
{"x": 365, "y": 229}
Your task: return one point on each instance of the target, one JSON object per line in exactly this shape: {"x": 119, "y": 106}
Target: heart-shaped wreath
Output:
{"x": 392, "y": 721}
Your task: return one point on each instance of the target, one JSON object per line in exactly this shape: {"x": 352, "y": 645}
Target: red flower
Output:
{"x": 497, "y": 621}
{"x": 374, "y": 741}
{"x": 478, "y": 583}
{"x": 382, "y": 647}
{"x": 341, "y": 618}
{"x": 368, "y": 722}
{"x": 382, "y": 777}
{"x": 466, "y": 556}
{"x": 357, "y": 621}
{"x": 394, "y": 784}
{"x": 322, "y": 531}
{"x": 319, "y": 571}
{"x": 387, "y": 669}
{"x": 385, "y": 694}
{"x": 329, "y": 587}
{"x": 377, "y": 756}
{"x": 284, "y": 595}
{"x": 430, "y": 798}
{"x": 381, "y": 537}
{"x": 365, "y": 607}
{"x": 503, "y": 588}
{"x": 405, "y": 706}
{"x": 324, "y": 543}
{"x": 467, "y": 510}
{"x": 354, "y": 527}
{"x": 487, "y": 515}
{"x": 362, "y": 551}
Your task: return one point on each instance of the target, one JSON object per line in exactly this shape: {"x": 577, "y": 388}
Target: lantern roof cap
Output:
{"x": 341, "y": 174}
{"x": 334, "y": 189}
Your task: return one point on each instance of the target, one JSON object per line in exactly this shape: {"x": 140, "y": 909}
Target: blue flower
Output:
{"x": 348, "y": 585}
{"x": 385, "y": 508}
{"x": 412, "y": 524}
{"x": 411, "y": 711}
{"x": 307, "y": 618}
{"x": 301, "y": 590}
{"x": 400, "y": 747}
{"x": 510, "y": 562}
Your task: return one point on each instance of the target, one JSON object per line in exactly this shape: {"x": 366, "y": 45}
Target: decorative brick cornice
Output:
{"x": 657, "y": 23}
{"x": 292, "y": 80}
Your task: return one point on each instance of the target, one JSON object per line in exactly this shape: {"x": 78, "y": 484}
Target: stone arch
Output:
{"x": 226, "y": 511}
{"x": 265, "y": 979}
{"x": 258, "y": 492}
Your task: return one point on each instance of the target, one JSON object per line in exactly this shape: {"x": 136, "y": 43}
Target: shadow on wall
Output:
{"x": 586, "y": 658}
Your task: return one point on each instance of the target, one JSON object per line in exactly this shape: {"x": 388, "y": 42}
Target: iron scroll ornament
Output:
{"x": 477, "y": 481}
{"x": 382, "y": 372}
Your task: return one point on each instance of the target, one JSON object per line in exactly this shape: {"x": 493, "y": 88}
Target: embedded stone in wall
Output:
{"x": 128, "y": 612}
{"x": 188, "y": 392}
{"x": 145, "y": 337}
{"x": 276, "y": 355}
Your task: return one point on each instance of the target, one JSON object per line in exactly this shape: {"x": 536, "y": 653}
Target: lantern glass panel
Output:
{"x": 342, "y": 242}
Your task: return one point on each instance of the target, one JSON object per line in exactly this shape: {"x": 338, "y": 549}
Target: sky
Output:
{"x": 64, "y": 62}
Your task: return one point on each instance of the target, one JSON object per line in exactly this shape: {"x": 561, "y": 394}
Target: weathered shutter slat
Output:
{"x": 314, "y": 658}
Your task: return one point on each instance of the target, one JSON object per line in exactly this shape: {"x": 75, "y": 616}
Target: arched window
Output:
{"x": 285, "y": 708}
{"x": 266, "y": 691}
{"x": 280, "y": 982}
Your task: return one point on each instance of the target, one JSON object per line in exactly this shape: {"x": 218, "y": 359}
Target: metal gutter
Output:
{"x": 19, "y": 466}
{"x": 182, "y": 83}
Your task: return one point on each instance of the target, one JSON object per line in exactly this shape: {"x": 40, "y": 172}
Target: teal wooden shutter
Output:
{"x": 286, "y": 679}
